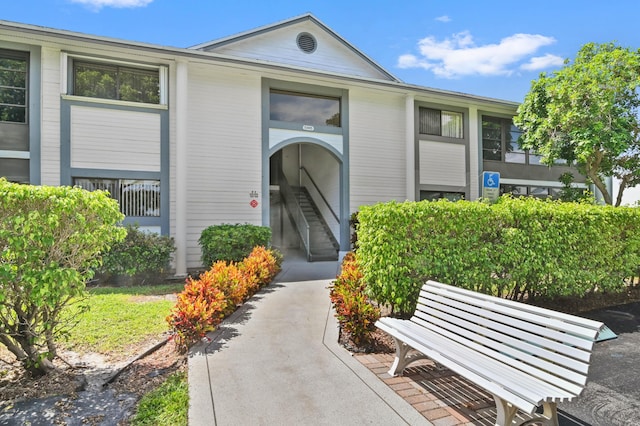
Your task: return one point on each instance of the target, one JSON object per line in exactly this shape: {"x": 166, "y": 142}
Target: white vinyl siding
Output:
{"x": 442, "y": 163}
{"x": 225, "y": 151}
{"x": 376, "y": 148}
{"x": 115, "y": 140}
{"x": 50, "y": 117}
{"x": 280, "y": 46}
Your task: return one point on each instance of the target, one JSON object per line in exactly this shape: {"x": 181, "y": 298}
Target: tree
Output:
{"x": 51, "y": 239}
{"x": 587, "y": 114}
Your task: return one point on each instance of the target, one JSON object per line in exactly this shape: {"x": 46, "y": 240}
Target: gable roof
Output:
{"x": 279, "y": 43}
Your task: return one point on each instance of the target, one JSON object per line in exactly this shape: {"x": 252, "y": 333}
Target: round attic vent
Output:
{"x": 306, "y": 42}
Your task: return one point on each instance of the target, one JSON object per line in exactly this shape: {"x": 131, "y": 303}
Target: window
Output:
{"x": 439, "y": 195}
{"x": 109, "y": 81}
{"x": 13, "y": 88}
{"x": 441, "y": 123}
{"x": 500, "y": 142}
{"x": 312, "y": 110}
{"x": 14, "y": 129}
{"x": 531, "y": 191}
{"x": 138, "y": 198}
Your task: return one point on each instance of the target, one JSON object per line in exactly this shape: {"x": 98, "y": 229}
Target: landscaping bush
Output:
{"x": 217, "y": 293}
{"x": 519, "y": 248}
{"x": 51, "y": 239}
{"x": 141, "y": 255}
{"x": 263, "y": 264}
{"x": 355, "y": 313}
{"x": 231, "y": 243}
{"x": 199, "y": 309}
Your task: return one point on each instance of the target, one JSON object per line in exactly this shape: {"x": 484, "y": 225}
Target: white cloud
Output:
{"x": 443, "y": 18}
{"x": 542, "y": 62}
{"x": 458, "y": 55}
{"x": 99, "y": 4}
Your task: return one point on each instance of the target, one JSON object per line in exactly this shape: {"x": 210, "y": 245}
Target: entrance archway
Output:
{"x": 307, "y": 189}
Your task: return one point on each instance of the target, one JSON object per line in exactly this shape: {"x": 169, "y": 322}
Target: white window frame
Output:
{"x": 66, "y": 59}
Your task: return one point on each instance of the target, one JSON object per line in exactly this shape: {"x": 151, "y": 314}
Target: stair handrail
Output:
{"x": 321, "y": 194}
{"x": 295, "y": 211}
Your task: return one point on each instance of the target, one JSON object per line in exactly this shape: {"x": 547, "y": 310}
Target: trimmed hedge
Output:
{"x": 231, "y": 243}
{"x": 142, "y": 255}
{"x": 519, "y": 248}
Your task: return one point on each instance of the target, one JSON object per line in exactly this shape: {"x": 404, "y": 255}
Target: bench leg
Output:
{"x": 403, "y": 358}
{"x": 551, "y": 413}
{"x": 505, "y": 411}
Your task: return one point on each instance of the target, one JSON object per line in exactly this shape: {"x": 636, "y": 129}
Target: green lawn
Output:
{"x": 165, "y": 406}
{"x": 119, "y": 319}
{"x": 118, "y": 322}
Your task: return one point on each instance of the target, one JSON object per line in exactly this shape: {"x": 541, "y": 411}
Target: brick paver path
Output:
{"x": 440, "y": 395}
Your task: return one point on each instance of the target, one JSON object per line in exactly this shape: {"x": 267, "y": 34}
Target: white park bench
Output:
{"x": 526, "y": 357}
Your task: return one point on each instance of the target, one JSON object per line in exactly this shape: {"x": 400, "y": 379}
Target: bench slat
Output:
{"x": 514, "y": 319}
{"x": 497, "y": 378}
{"x": 522, "y": 354}
{"x": 557, "y": 378}
{"x": 491, "y": 387}
{"x": 499, "y": 372}
{"x": 571, "y": 357}
{"x": 566, "y": 320}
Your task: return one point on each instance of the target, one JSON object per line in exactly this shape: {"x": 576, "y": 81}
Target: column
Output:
{"x": 410, "y": 137}
{"x": 181, "y": 199}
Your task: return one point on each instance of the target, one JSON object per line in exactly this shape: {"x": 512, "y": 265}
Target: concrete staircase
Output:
{"x": 323, "y": 244}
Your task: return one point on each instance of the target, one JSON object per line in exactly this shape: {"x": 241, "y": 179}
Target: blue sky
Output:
{"x": 492, "y": 49}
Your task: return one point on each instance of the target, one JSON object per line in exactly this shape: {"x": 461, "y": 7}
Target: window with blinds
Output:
{"x": 437, "y": 122}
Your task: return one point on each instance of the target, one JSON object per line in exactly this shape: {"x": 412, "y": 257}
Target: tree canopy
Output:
{"x": 587, "y": 114}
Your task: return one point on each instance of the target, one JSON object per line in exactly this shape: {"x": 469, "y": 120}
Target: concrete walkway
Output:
{"x": 276, "y": 361}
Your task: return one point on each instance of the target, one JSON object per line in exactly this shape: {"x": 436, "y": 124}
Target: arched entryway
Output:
{"x": 307, "y": 192}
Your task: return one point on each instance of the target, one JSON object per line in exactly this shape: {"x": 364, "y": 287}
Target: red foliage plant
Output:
{"x": 199, "y": 309}
{"x": 355, "y": 313}
{"x": 217, "y": 292}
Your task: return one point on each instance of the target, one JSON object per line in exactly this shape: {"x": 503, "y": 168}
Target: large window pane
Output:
{"x": 137, "y": 197}
{"x": 304, "y": 109}
{"x": 115, "y": 82}
{"x": 452, "y": 124}
{"x": 430, "y": 121}
{"x": 13, "y": 87}
{"x": 139, "y": 86}
{"x": 95, "y": 81}
{"x": 491, "y": 140}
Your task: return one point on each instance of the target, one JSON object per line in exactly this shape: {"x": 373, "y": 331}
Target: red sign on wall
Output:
{"x": 253, "y": 203}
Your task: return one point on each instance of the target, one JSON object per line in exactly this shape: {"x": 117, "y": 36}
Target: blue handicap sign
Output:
{"x": 491, "y": 179}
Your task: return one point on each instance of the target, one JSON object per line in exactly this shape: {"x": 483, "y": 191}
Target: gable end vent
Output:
{"x": 306, "y": 42}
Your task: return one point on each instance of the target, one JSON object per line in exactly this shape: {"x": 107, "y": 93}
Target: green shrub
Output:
{"x": 355, "y": 313}
{"x": 142, "y": 255}
{"x": 520, "y": 248}
{"x": 231, "y": 243}
{"x": 51, "y": 239}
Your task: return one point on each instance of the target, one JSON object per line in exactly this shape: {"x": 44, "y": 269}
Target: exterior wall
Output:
{"x": 224, "y": 151}
{"x": 376, "y": 147}
{"x": 443, "y": 163}
{"x": 114, "y": 139}
{"x": 281, "y": 47}
{"x": 50, "y": 116}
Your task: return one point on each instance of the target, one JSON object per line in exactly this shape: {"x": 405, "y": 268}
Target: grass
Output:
{"x": 117, "y": 319}
{"x": 167, "y": 405}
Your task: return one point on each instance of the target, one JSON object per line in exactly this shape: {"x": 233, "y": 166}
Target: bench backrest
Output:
{"x": 552, "y": 346}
